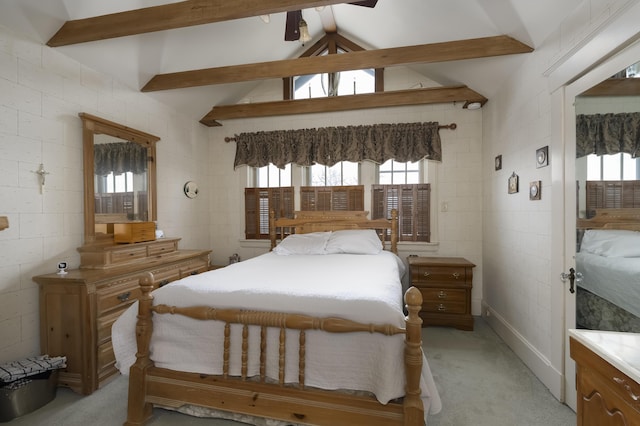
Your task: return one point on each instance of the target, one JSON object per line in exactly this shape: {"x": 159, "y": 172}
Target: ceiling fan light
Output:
{"x": 304, "y": 32}
{"x": 474, "y": 105}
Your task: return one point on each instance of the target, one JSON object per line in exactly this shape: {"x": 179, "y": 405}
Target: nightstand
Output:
{"x": 445, "y": 284}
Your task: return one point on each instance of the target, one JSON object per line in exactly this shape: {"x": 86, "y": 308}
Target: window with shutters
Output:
{"x": 326, "y": 198}
{"x": 258, "y": 202}
{"x": 612, "y": 182}
{"x": 412, "y": 201}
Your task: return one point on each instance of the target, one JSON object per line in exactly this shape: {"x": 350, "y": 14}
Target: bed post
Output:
{"x": 139, "y": 411}
{"x": 413, "y": 407}
{"x": 394, "y": 231}
{"x": 272, "y": 228}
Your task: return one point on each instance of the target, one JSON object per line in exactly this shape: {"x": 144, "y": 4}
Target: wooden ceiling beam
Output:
{"x": 343, "y": 103}
{"x": 356, "y": 60}
{"x": 170, "y": 16}
{"x": 615, "y": 87}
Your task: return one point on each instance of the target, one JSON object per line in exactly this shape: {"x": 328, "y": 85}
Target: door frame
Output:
{"x": 613, "y": 48}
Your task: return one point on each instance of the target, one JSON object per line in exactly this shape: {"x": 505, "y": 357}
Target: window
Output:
{"x": 412, "y": 204}
{"x": 343, "y": 173}
{"x": 394, "y": 172}
{"x": 400, "y": 188}
{"x": 259, "y": 202}
{"x": 334, "y": 84}
{"x": 326, "y": 198}
{"x": 612, "y": 182}
{"x": 272, "y": 177}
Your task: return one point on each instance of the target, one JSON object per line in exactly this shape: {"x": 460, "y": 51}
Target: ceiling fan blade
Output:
{"x": 292, "y": 27}
{"x": 365, "y": 3}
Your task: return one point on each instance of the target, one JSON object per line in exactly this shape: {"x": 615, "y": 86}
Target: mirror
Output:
{"x": 608, "y": 208}
{"x": 119, "y": 176}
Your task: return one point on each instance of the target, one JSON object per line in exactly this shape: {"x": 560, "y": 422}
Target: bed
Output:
{"x": 608, "y": 291}
{"x": 281, "y": 338}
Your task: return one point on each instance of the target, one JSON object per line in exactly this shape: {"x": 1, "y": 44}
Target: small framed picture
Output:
{"x": 542, "y": 157}
{"x": 499, "y": 162}
{"x": 535, "y": 190}
{"x": 513, "y": 183}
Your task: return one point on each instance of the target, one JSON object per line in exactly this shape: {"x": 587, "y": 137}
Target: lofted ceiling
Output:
{"x": 234, "y": 35}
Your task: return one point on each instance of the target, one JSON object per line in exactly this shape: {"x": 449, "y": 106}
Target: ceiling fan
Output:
{"x": 295, "y": 22}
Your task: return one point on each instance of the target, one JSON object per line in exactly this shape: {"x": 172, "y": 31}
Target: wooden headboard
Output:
{"x": 312, "y": 221}
{"x": 612, "y": 219}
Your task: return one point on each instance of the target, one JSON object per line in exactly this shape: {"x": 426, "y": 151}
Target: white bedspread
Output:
{"x": 616, "y": 279}
{"x": 364, "y": 288}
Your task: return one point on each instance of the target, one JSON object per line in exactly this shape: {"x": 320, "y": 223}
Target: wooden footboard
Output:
{"x": 150, "y": 385}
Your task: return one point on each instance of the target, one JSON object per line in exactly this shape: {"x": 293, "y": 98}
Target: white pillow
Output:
{"x": 611, "y": 242}
{"x": 354, "y": 241}
{"x": 312, "y": 243}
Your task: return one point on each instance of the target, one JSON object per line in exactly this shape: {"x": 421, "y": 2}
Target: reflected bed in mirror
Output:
{"x": 119, "y": 176}
{"x": 608, "y": 259}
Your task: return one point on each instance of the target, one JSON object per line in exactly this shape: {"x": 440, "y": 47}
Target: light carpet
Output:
{"x": 481, "y": 382}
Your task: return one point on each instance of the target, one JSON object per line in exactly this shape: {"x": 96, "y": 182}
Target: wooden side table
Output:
{"x": 445, "y": 284}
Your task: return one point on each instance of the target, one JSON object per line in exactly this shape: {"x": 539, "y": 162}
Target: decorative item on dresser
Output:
{"x": 445, "y": 284}
{"x": 608, "y": 376}
{"x": 78, "y": 309}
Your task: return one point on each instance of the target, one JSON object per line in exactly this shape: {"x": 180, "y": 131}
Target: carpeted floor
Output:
{"x": 481, "y": 382}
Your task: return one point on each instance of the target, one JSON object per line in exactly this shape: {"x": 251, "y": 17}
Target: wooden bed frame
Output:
{"x": 150, "y": 385}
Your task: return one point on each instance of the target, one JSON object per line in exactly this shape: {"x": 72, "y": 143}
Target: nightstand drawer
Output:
{"x": 428, "y": 274}
{"x": 443, "y": 295}
{"x": 435, "y": 306}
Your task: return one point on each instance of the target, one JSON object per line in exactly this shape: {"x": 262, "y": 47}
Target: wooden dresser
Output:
{"x": 445, "y": 284}
{"x": 608, "y": 373}
{"x": 78, "y": 309}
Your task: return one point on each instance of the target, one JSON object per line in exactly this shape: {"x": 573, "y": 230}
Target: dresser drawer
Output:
{"x": 437, "y": 274}
{"x": 106, "y": 357}
{"x": 118, "y": 296}
{"x": 105, "y": 322}
{"x": 133, "y": 253}
{"x": 162, "y": 248}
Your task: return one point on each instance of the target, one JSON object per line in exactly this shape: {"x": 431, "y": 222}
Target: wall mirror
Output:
{"x": 119, "y": 176}
{"x": 608, "y": 203}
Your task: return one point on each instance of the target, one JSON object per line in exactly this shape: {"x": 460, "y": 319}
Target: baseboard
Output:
{"x": 540, "y": 365}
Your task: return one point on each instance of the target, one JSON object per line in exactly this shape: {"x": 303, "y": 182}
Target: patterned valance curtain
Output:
{"x": 118, "y": 157}
{"x": 330, "y": 145}
{"x": 602, "y": 134}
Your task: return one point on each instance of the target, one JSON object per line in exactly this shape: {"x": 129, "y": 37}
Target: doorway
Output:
{"x": 570, "y": 93}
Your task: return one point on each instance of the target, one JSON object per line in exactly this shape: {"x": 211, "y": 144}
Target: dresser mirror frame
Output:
{"x": 92, "y": 126}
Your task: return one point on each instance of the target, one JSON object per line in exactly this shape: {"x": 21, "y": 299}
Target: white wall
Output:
{"x": 522, "y": 293}
{"x": 41, "y": 94}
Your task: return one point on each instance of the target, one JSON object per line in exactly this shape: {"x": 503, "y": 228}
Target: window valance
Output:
{"x": 330, "y": 145}
{"x": 119, "y": 157}
{"x": 603, "y": 134}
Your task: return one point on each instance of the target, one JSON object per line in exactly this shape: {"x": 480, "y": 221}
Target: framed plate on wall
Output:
{"x": 513, "y": 183}
{"x": 542, "y": 157}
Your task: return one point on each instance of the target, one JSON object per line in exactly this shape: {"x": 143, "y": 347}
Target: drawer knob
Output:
{"x": 442, "y": 295}
{"x": 426, "y": 274}
{"x": 441, "y": 308}
{"x": 456, "y": 275}
{"x": 124, "y": 296}
{"x": 625, "y": 385}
